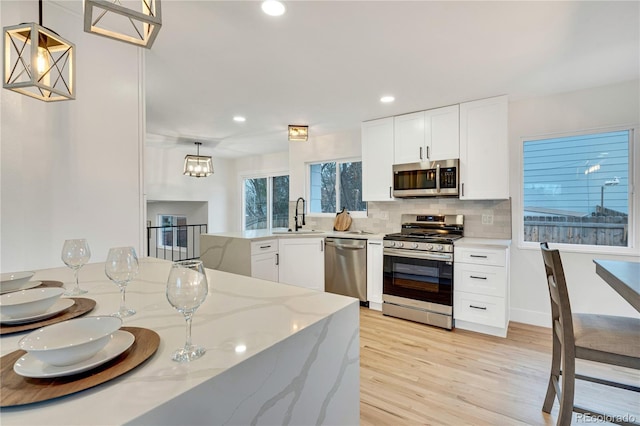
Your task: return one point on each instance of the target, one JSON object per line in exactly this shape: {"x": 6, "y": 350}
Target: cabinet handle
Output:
{"x": 390, "y": 192}
{"x": 482, "y": 308}
{"x": 375, "y": 244}
{"x": 477, "y": 278}
{"x": 265, "y": 247}
{"x": 462, "y": 190}
{"x": 427, "y": 152}
{"x": 321, "y": 245}
{"x": 421, "y": 153}
{"x": 277, "y": 259}
{"x": 477, "y": 255}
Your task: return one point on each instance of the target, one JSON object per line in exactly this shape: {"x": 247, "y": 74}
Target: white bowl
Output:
{"x": 71, "y": 341}
{"x": 26, "y": 303}
{"x": 12, "y": 281}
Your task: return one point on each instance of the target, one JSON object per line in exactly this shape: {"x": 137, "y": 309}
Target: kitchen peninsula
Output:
{"x": 276, "y": 354}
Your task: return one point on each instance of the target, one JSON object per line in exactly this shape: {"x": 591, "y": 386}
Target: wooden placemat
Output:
{"x": 49, "y": 283}
{"x": 81, "y": 307}
{"x": 17, "y": 390}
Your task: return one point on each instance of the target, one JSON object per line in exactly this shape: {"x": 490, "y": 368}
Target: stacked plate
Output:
{"x": 72, "y": 347}
{"x": 15, "y": 281}
{"x": 35, "y": 304}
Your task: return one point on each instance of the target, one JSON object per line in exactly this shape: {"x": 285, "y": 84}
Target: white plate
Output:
{"x": 59, "y": 306}
{"x": 25, "y": 286}
{"x": 30, "y": 366}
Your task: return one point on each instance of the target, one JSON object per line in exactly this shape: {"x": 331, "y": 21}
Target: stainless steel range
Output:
{"x": 418, "y": 269}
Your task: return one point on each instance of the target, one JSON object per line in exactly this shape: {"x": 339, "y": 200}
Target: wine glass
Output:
{"x": 75, "y": 254}
{"x": 187, "y": 288}
{"x": 121, "y": 267}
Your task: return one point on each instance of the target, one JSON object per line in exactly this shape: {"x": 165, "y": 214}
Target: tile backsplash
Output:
{"x": 384, "y": 216}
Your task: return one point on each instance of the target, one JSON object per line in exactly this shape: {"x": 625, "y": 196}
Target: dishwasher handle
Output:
{"x": 333, "y": 243}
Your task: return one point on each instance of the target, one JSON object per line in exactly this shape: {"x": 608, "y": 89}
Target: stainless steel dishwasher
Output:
{"x": 345, "y": 267}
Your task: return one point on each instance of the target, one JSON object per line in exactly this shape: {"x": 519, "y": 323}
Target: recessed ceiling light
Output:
{"x": 239, "y": 119}
{"x": 387, "y": 99}
{"x": 273, "y": 7}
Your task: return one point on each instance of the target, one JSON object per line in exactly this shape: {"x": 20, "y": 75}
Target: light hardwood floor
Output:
{"x": 416, "y": 374}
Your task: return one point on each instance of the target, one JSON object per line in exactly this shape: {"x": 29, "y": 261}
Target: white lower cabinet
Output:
{"x": 481, "y": 289}
{"x": 264, "y": 260}
{"x": 302, "y": 262}
{"x": 375, "y": 260}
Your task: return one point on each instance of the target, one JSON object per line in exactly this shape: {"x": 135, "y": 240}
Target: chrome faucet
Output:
{"x": 295, "y": 218}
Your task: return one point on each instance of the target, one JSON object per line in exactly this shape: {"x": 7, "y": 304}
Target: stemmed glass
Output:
{"x": 121, "y": 267}
{"x": 187, "y": 288}
{"x": 75, "y": 254}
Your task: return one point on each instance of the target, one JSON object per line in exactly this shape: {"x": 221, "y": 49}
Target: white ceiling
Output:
{"x": 327, "y": 63}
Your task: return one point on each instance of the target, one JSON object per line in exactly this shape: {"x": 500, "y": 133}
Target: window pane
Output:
{"x": 351, "y": 187}
{"x": 323, "y": 188}
{"x": 280, "y": 200}
{"x": 576, "y": 189}
{"x": 181, "y": 232}
{"x": 255, "y": 207}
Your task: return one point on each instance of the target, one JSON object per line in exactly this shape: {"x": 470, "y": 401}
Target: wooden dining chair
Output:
{"x": 600, "y": 338}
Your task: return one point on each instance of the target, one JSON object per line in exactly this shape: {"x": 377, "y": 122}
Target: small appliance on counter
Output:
{"x": 418, "y": 269}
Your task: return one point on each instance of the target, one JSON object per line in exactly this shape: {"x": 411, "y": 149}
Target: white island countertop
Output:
{"x": 262, "y": 234}
{"x": 275, "y": 354}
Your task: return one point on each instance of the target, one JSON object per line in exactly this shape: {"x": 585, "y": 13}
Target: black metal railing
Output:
{"x": 179, "y": 242}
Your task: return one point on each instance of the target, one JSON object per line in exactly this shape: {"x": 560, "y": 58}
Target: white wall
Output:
{"x": 72, "y": 169}
{"x": 164, "y": 181}
{"x": 587, "y": 109}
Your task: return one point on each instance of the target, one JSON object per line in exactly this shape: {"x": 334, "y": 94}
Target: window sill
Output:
{"x": 586, "y": 249}
{"x": 354, "y": 215}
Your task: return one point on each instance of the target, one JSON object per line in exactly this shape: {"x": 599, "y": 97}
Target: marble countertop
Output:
{"x": 262, "y": 234}
{"x": 482, "y": 242}
{"x": 241, "y": 317}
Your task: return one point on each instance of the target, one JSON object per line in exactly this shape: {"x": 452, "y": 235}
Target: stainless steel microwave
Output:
{"x": 426, "y": 179}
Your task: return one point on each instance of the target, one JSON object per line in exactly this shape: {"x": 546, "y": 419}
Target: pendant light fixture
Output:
{"x": 298, "y": 133}
{"x": 38, "y": 62}
{"x": 113, "y": 20}
{"x": 198, "y": 165}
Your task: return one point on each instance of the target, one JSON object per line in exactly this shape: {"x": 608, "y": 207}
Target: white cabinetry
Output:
{"x": 409, "y": 138}
{"x": 302, "y": 262}
{"x": 377, "y": 159}
{"x": 481, "y": 289}
{"x": 484, "y": 149}
{"x": 374, "y": 274}
{"x": 427, "y": 135}
{"x": 264, "y": 260}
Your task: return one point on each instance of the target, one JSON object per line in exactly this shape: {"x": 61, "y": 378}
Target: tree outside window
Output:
{"x": 334, "y": 185}
{"x": 266, "y": 202}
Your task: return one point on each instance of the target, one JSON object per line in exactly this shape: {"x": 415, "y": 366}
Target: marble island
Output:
{"x": 276, "y": 354}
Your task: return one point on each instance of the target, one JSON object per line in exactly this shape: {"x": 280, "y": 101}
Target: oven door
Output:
{"x": 427, "y": 277}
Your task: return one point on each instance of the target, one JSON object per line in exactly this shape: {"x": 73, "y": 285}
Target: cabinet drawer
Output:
{"x": 480, "y": 279}
{"x": 264, "y": 246}
{"x": 479, "y": 309}
{"x": 480, "y": 256}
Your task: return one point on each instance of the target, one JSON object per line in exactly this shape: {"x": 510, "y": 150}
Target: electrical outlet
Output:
{"x": 384, "y": 215}
{"x": 487, "y": 219}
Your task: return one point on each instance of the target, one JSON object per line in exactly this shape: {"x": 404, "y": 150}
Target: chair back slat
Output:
{"x": 559, "y": 295}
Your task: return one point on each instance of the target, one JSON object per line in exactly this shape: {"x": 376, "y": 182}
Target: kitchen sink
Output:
{"x": 360, "y": 232}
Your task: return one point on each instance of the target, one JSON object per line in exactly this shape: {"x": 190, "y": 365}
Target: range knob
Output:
{"x": 415, "y": 245}
{"x": 392, "y": 243}
{"x": 439, "y": 247}
{"x": 400, "y": 244}
{"x": 428, "y": 246}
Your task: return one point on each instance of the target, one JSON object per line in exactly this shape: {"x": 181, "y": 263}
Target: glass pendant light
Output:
{"x": 38, "y": 62}
{"x": 198, "y": 165}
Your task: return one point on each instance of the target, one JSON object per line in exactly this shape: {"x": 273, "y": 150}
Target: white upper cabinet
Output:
{"x": 427, "y": 135}
{"x": 409, "y": 138}
{"x": 484, "y": 149}
{"x": 442, "y": 133}
{"x": 377, "y": 159}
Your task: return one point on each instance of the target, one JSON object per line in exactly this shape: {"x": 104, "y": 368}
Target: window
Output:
{"x": 576, "y": 189}
{"x": 266, "y": 202}
{"x": 334, "y": 185}
{"x": 171, "y": 234}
